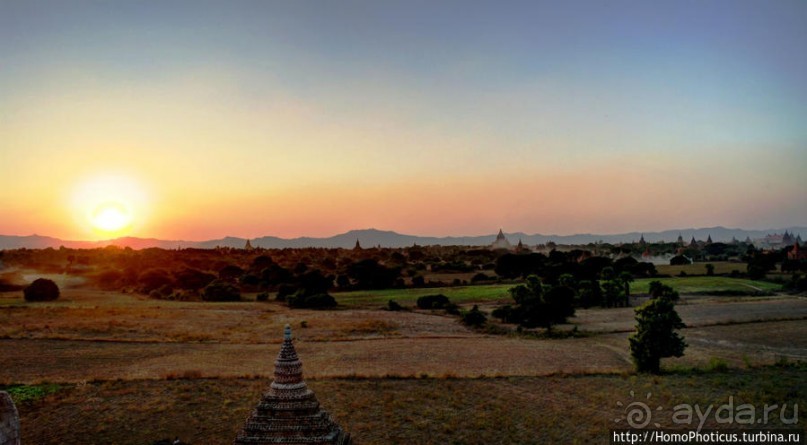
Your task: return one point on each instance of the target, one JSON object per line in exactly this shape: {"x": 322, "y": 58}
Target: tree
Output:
{"x": 369, "y": 274}
{"x": 316, "y": 301}
{"x": 710, "y": 269}
{"x": 658, "y": 290}
{"x": 679, "y": 260}
{"x": 221, "y": 291}
{"x": 153, "y": 279}
{"x": 42, "y": 289}
{"x": 438, "y": 301}
{"x": 655, "y": 336}
{"x": 560, "y": 303}
{"x": 590, "y": 293}
{"x": 193, "y": 279}
{"x": 536, "y": 308}
{"x": 626, "y": 278}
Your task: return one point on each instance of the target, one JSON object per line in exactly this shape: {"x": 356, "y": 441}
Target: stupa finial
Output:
{"x": 287, "y": 332}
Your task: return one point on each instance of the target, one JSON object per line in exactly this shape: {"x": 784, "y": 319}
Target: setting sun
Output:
{"x": 110, "y": 217}
{"x": 109, "y": 204}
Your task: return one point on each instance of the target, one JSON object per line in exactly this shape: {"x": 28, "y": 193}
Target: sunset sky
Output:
{"x": 195, "y": 119}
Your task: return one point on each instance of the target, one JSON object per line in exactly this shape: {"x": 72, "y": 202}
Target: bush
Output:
{"x": 393, "y": 305}
{"x": 221, "y": 291}
{"x": 480, "y": 277}
{"x": 316, "y": 301}
{"x": 284, "y": 291}
{"x": 153, "y": 279}
{"x": 109, "y": 279}
{"x": 164, "y": 292}
{"x": 193, "y": 279}
{"x": 41, "y": 289}
{"x": 505, "y": 313}
{"x": 263, "y": 296}
{"x": 474, "y": 317}
{"x": 438, "y": 301}
{"x": 452, "y": 309}
{"x": 679, "y": 260}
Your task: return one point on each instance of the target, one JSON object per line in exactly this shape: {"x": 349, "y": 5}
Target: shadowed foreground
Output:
{"x": 523, "y": 410}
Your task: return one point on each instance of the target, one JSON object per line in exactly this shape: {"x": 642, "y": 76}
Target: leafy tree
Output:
{"x": 534, "y": 307}
{"x": 626, "y": 264}
{"x": 418, "y": 281}
{"x": 613, "y": 293}
{"x": 261, "y": 262}
{"x": 679, "y": 260}
{"x": 42, "y": 289}
{"x": 314, "y": 282}
{"x": 710, "y": 269}
{"x": 153, "y": 279}
{"x": 230, "y": 272}
{"x": 560, "y": 303}
{"x": 568, "y": 280}
{"x": 221, "y": 291}
{"x": 590, "y": 293}
{"x": 655, "y": 336}
{"x": 658, "y": 290}
{"x": 369, "y": 274}
{"x": 626, "y": 278}
{"x": 193, "y": 279}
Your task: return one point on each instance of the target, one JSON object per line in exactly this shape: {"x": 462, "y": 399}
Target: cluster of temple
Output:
{"x": 289, "y": 412}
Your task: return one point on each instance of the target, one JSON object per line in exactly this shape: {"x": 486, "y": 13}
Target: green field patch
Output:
{"x": 457, "y": 294}
{"x": 713, "y": 285}
{"x": 31, "y": 393}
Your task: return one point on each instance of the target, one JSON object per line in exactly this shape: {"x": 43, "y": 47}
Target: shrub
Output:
{"x": 221, "y": 291}
{"x": 393, "y": 305}
{"x": 480, "y": 277}
{"x": 41, "y": 289}
{"x": 504, "y": 313}
{"x": 438, "y": 301}
{"x": 263, "y": 296}
{"x": 193, "y": 279}
{"x": 679, "y": 260}
{"x": 316, "y": 301}
{"x": 452, "y": 309}
{"x": 164, "y": 292}
{"x": 474, "y": 317}
{"x": 284, "y": 291}
{"x": 153, "y": 279}
{"x": 109, "y": 279}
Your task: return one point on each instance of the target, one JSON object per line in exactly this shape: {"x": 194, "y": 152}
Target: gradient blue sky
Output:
{"x": 439, "y": 118}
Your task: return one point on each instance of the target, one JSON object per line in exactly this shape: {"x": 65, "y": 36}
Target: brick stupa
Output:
{"x": 289, "y": 413}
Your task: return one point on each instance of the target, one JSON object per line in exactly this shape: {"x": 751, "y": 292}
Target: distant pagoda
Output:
{"x": 289, "y": 413}
{"x": 501, "y": 242}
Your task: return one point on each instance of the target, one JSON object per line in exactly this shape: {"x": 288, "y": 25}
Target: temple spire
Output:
{"x": 289, "y": 412}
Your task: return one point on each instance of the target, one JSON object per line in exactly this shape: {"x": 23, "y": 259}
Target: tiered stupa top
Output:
{"x": 289, "y": 413}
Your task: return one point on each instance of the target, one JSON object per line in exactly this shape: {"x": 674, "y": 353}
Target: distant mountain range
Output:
{"x": 373, "y": 237}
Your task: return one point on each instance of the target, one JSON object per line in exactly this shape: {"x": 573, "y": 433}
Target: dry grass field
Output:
{"x": 515, "y": 410}
{"x": 129, "y": 370}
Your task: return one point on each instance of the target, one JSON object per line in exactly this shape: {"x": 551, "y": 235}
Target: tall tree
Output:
{"x": 655, "y": 336}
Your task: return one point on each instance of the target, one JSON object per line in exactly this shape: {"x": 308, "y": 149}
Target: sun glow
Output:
{"x": 109, "y": 205}
{"x": 110, "y": 217}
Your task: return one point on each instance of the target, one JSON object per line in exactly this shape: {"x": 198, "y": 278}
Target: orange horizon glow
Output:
{"x": 189, "y": 122}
